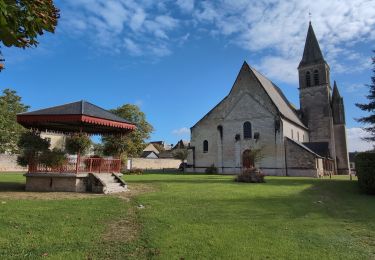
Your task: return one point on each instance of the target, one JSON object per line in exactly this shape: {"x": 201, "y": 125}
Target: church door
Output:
{"x": 247, "y": 159}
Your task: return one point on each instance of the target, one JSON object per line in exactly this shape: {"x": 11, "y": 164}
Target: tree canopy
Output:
{"x": 10, "y": 130}
{"x": 370, "y": 108}
{"x": 132, "y": 144}
{"x": 22, "y": 21}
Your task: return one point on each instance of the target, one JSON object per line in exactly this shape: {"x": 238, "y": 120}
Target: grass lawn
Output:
{"x": 191, "y": 217}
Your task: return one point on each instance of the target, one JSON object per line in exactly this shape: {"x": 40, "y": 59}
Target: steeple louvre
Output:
{"x": 311, "y": 53}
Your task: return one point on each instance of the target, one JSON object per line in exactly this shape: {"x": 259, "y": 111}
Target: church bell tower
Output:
{"x": 315, "y": 94}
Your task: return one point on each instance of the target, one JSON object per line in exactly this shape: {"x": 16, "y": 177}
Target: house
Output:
{"x": 150, "y": 155}
{"x": 256, "y": 115}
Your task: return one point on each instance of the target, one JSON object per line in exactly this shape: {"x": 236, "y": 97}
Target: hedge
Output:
{"x": 365, "y": 167}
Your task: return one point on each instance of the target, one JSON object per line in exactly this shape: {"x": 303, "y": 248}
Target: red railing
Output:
{"x": 85, "y": 165}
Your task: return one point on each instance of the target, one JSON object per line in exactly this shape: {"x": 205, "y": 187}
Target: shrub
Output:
{"x": 31, "y": 145}
{"x": 134, "y": 171}
{"x": 365, "y": 166}
{"x": 211, "y": 170}
{"x": 252, "y": 175}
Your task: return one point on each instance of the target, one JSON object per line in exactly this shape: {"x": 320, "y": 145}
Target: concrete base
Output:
{"x": 65, "y": 182}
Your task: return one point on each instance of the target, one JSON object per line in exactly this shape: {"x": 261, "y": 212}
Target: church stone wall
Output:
{"x": 301, "y": 162}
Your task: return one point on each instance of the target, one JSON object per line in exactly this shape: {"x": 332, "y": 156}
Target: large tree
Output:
{"x": 22, "y": 21}
{"x": 132, "y": 144}
{"x": 369, "y": 107}
{"x": 10, "y": 130}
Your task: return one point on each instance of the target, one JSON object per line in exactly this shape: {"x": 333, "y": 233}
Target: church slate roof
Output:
{"x": 321, "y": 148}
{"x": 312, "y": 53}
{"x": 278, "y": 98}
{"x": 304, "y": 146}
{"x": 78, "y": 108}
{"x": 274, "y": 92}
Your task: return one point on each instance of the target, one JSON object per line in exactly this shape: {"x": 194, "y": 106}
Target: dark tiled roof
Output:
{"x": 78, "y": 108}
{"x": 312, "y": 53}
{"x": 321, "y": 148}
{"x": 303, "y": 145}
{"x": 166, "y": 154}
{"x": 147, "y": 153}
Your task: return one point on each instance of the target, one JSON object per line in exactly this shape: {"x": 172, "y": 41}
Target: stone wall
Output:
{"x": 153, "y": 164}
{"x": 8, "y": 163}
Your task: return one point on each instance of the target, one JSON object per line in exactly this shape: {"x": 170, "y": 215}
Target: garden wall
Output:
{"x": 8, "y": 163}
{"x": 153, "y": 164}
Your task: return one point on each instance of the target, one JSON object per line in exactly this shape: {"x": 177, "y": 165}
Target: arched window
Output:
{"x": 316, "y": 77}
{"x": 220, "y": 129}
{"x": 205, "y": 146}
{"x": 308, "y": 79}
{"x": 247, "y": 134}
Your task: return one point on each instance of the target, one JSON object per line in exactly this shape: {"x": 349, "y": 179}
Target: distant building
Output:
{"x": 149, "y": 155}
{"x": 256, "y": 115}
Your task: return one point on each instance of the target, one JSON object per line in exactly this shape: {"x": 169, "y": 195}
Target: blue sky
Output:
{"x": 178, "y": 59}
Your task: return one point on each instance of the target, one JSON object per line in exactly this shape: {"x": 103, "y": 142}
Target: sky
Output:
{"x": 177, "y": 59}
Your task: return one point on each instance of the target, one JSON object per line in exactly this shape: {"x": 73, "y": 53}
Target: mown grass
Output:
{"x": 194, "y": 217}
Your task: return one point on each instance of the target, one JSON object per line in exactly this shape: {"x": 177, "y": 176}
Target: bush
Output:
{"x": 211, "y": 170}
{"x": 134, "y": 171}
{"x": 53, "y": 159}
{"x": 365, "y": 166}
{"x": 251, "y": 175}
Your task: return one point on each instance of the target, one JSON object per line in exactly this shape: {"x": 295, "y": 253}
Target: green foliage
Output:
{"x": 211, "y": 170}
{"x": 251, "y": 175}
{"x": 54, "y": 159}
{"x": 132, "y": 144}
{"x": 180, "y": 154}
{"x": 31, "y": 146}
{"x": 134, "y": 171}
{"x": 98, "y": 149}
{"x": 22, "y": 21}
{"x": 10, "y": 130}
{"x": 370, "y": 108}
{"x": 77, "y": 143}
{"x": 365, "y": 167}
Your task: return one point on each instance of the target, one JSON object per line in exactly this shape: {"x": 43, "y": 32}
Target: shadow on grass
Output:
{"x": 12, "y": 186}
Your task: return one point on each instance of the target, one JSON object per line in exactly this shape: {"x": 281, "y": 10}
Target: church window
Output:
{"x": 303, "y": 138}
{"x": 292, "y": 133}
{"x": 247, "y": 133}
{"x": 308, "y": 79}
{"x": 297, "y": 136}
{"x": 205, "y": 146}
{"x": 316, "y": 77}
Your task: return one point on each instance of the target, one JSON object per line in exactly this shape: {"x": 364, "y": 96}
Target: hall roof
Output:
{"x": 75, "y": 117}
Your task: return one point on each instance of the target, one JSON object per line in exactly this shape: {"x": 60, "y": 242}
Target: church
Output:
{"x": 256, "y": 115}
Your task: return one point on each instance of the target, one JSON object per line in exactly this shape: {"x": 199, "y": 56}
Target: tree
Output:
{"x": 369, "y": 107}
{"x": 77, "y": 143}
{"x": 132, "y": 144}
{"x": 10, "y": 130}
{"x": 181, "y": 154}
{"x": 22, "y": 21}
{"x": 31, "y": 147}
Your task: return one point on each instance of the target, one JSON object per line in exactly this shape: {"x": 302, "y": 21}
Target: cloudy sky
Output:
{"x": 178, "y": 59}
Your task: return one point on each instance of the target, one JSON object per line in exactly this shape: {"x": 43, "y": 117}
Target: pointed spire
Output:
{"x": 335, "y": 92}
{"x": 312, "y": 53}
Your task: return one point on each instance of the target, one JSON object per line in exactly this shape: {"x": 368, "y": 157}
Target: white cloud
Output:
{"x": 184, "y": 131}
{"x": 355, "y": 142}
{"x": 185, "y": 5}
{"x": 274, "y": 29}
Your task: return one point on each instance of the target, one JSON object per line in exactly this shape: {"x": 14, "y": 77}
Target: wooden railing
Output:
{"x": 85, "y": 165}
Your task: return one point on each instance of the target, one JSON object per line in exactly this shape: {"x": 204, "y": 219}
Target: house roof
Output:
{"x": 311, "y": 53}
{"x": 145, "y": 154}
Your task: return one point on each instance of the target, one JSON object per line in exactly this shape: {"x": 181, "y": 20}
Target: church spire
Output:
{"x": 312, "y": 53}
